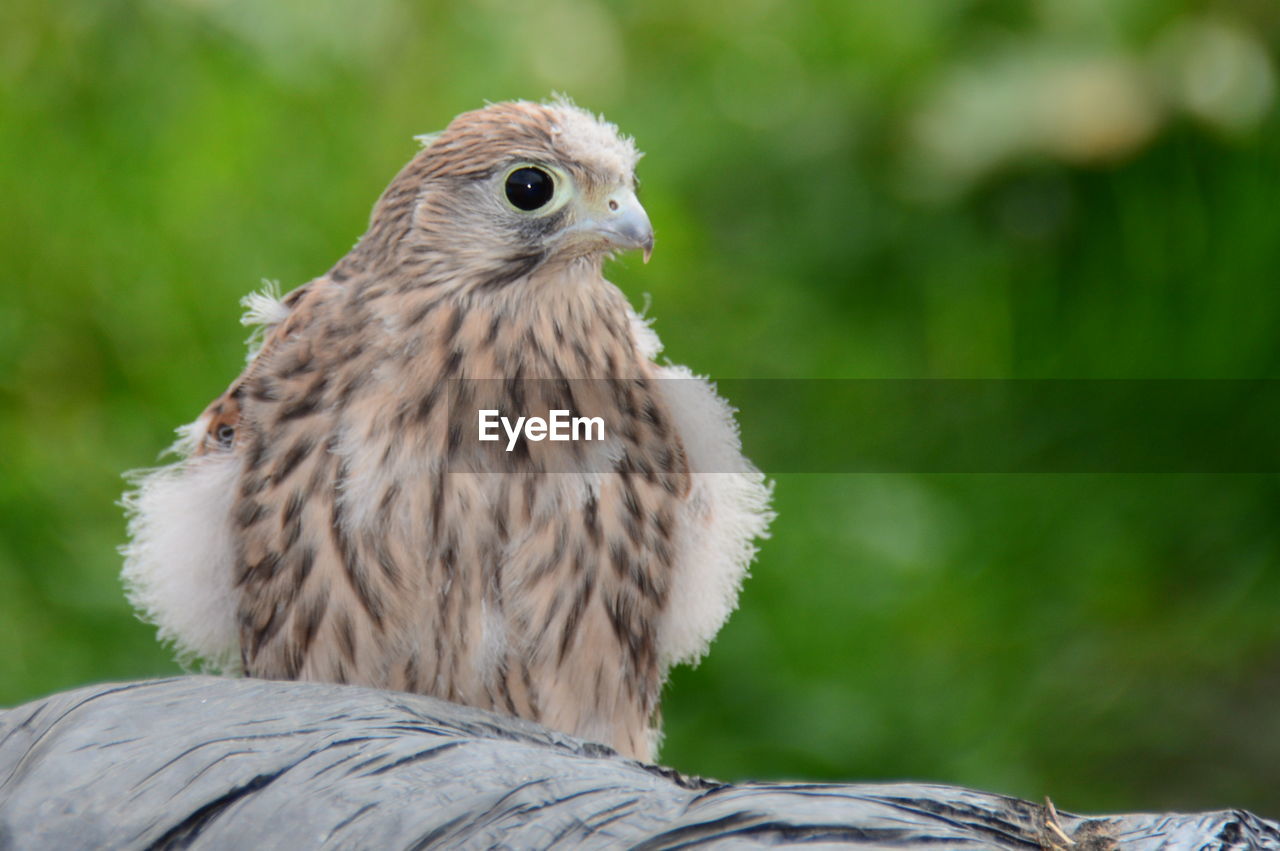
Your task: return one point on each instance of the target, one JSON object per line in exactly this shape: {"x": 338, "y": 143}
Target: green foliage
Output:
{"x": 1060, "y": 189}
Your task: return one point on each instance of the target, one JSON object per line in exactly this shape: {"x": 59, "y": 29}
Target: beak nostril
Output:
{"x": 616, "y": 222}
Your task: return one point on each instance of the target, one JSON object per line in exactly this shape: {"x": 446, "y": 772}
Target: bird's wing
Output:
{"x": 726, "y": 511}
{"x": 179, "y": 559}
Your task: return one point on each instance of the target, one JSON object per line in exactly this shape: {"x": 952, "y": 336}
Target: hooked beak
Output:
{"x": 623, "y": 223}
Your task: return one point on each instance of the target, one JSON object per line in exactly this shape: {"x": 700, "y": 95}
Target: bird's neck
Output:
{"x": 566, "y": 322}
{"x": 562, "y": 321}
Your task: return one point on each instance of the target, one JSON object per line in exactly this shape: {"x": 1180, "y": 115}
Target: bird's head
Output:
{"x": 513, "y": 188}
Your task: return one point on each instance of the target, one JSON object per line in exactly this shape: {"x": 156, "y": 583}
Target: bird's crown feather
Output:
{"x": 558, "y": 130}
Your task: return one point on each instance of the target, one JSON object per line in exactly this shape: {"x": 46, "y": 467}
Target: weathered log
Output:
{"x": 226, "y": 763}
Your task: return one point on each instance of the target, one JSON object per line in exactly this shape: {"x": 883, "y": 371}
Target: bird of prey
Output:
{"x": 332, "y": 517}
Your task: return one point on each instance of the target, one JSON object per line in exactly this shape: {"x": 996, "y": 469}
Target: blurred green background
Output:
{"x": 1061, "y": 188}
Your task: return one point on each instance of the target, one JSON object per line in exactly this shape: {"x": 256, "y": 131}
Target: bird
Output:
{"x": 333, "y": 516}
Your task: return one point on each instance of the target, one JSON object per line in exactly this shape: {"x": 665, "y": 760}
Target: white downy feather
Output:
{"x": 728, "y": 510}
{"x": 178, "y": 562}
{"x": 262, "y": 310}
{"x": 180, "y": 556}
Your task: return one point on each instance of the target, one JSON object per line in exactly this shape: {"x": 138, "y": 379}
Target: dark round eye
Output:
{"x": 529, "y": 188}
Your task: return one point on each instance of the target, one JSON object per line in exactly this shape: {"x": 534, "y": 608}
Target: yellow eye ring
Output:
{"x": 535, "y": 189}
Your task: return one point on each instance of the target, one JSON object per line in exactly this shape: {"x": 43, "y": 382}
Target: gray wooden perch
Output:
{"x": 226, "y": 763}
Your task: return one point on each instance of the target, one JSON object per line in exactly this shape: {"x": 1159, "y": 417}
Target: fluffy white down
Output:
{"x": 262, "y": 311}
{"x": 177, "y": 566}
{"x": 728, "y": 510}
{"x": 179, "y": 559}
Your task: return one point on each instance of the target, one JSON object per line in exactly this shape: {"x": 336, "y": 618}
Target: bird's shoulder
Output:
{"x": 280, "y": 321}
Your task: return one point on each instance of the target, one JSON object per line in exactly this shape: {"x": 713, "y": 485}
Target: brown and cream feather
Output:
{"x": 331, "y": 521}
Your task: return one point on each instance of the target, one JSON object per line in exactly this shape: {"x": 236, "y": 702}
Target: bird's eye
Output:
{"x": 529, "y": 188}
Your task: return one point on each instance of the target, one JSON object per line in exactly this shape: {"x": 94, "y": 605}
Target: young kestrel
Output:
{"x": 324, "y": 522}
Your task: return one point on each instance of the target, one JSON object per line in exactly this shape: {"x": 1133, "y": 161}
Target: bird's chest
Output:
{"x": 477, "y": 570}
{"x": 530, "y": 562}
{"x": 536, "y": 440}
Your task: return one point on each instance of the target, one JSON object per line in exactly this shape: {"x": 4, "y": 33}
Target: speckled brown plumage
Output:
{"x": 370, "y": 542}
